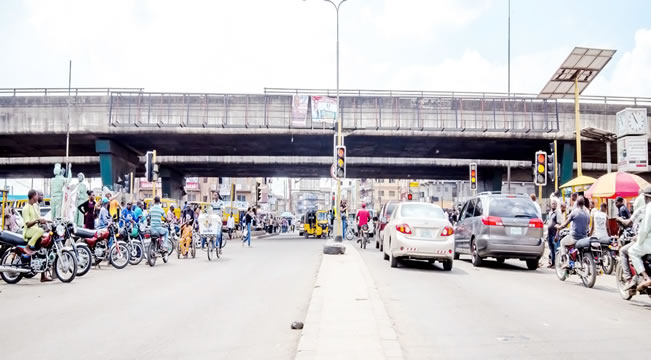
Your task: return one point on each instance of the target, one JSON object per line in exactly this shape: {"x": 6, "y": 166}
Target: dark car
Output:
{"x": 500, "y": 226}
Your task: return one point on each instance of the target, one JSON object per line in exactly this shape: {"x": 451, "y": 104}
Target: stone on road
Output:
{"x": 237, "y": 307}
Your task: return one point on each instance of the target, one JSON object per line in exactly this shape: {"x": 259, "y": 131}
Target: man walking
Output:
{"x": 248, "y": 219}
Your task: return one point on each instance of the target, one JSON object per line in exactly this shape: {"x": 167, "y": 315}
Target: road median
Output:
{"x": 346, "y": 318}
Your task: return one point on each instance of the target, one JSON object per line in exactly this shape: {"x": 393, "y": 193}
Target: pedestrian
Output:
{"x": 538, "y": 210}
{"x": 248, "y": 219}
{"x": 230, "y": 224}
{"x": 554, "y": 218}
{"x": 87, "y": 208}
{"x": 10, "y": 220}
{"x": 343, "y": 208}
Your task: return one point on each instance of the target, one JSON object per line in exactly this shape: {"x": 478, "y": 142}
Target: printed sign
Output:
{"x": 632, "y": 153}
{"x": 192, "y": 183}
{"x": 299, "y": 109}
{"x": 324, "y": 109}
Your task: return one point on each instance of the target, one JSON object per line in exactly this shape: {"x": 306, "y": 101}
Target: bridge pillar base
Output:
{"x": 567, "y": 163}
{"x": 172, "y": 183}
{"x": 114, "y": 160}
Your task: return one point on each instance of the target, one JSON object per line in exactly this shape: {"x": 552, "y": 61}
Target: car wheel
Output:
{"x": 393, "y": 260}
{"x": 447, "y": 265}
{"x": 532, "y": 264}
{"x": 476, "y": 259}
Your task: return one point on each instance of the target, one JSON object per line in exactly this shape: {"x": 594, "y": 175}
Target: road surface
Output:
{"x": 507, "y": 312}
{"x": 238, "y": 307}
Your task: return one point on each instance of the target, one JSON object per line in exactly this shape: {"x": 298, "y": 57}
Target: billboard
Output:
{"x": 299, "y": 110}
{"x": 324, "y": 109}
{"x": 191, "y": 183}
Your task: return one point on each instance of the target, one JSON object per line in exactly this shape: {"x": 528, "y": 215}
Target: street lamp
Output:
{"x": 338, "y": 234}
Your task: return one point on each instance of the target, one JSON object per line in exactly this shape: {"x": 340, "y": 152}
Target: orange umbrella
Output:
{"x": 616, "y": 184}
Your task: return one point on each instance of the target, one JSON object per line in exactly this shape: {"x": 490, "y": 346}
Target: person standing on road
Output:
{"x": 535, "y": 202}
{"x": 87, "y": 208}
{"x": 248, "y": 219}
{"x": 343, "y": 208}
{"x": 554, "y": 218}
{"x": 230, "y": 224}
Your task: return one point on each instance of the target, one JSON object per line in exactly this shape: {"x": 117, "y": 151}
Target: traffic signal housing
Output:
{"x": 473, "y": 176}
{"x": 258, "y": 193}
{"x": 410, "y": 197}
{"x": 149, "y": 166}
{"x": 551, "y": 169}
{"x": 340, "y": 162}
{"x": 540, "y": 170}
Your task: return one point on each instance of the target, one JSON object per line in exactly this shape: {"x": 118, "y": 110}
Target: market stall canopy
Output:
{"x": 579, "y": 181}
{"x": 617, "y": 184}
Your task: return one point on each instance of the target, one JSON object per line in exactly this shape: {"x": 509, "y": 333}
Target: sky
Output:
{"x": 243, "y": 46}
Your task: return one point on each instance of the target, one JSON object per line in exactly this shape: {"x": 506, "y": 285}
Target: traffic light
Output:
{"x": 149, "y": 166}
{"x": 410, "y": 196}
{"x": 550, "y": 162}
{"x": 540, "y": 171}
{"x": 340, "y": 165}
{"x": 473, "y": 176}
{"x": 258, "y": 193}
{"x": 124, "y": 181}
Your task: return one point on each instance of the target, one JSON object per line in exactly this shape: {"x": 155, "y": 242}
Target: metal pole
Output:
{"x": 608, "y": 156}
{"x": 540, "y": 196}
{"x": 509, "y": 53}
{"x": 155, "y": 177}
{"x": 577, "y": 125}
{"x": 555, "y": 165}
{"x": 508, "y": 178}
{"x": 68, "y": 126}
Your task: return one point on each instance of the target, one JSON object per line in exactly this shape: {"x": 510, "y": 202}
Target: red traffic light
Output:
{"x": 341, "y": 152}
{"x": 541, "y": 158}
{"x": 473, "y": 173}
{"x": 409, "y": 196}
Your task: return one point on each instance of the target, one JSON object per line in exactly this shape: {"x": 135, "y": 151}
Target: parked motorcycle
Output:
{"x": 104, "y": 245}
{"x": 131, "y": 234}
{"x": 82, "y": 252}
{"x": 50, "y": 255}
{"x": 580, "y": 259}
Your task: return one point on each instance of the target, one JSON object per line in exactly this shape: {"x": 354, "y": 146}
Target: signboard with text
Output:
{"x": 324, "y": 109}
{"x": 632, "y": 153}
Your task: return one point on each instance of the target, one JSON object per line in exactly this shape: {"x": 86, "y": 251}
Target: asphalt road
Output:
{"x": 238, "y": 307}
{"x": 508, "y": 312}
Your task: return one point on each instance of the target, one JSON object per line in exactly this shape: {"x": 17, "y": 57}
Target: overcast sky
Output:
{"x": 247, "y": 45}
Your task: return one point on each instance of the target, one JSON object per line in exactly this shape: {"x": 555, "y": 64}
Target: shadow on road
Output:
{"x": 494, "y": 265}
{"x": 415, "y": 265}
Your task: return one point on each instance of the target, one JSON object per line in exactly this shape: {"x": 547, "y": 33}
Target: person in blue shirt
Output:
{"x": 137, "y": 212}
{"x": 127, "y": 215}
{"x": 156, "y": 216}
{"x": 104, "y": 218}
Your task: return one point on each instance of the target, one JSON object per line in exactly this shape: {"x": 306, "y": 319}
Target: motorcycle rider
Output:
{"x": 599, "y": 220}
{"x": 156, "y": 215}
{"x": 127, "y": 215}
{"x": 580, "y": 219}
{"x": 32, "y": 220}
{"x": 362, "y": 218}
{"x": 636, "y": 250}
{"x": 104, "y": 217}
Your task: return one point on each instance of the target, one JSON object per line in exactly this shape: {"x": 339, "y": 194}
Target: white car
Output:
{"x": 419, "y": 231}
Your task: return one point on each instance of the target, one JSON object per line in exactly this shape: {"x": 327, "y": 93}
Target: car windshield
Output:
{"x": 421, "y": 210}
{"x": 512, "y": 207}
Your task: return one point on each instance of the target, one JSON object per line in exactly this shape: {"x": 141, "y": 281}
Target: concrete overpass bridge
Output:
{"x": 119, "y": 125}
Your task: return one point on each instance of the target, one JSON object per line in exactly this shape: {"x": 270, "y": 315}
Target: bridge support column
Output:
{"x": 114, "y": 160}
{"x": 171, "y": 182}
{"x": 567, "y": 163}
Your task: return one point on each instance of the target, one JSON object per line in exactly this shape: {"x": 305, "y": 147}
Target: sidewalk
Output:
{"x": 346, "y": 318}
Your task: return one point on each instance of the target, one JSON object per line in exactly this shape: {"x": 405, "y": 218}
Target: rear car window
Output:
{"x": 390, "y": 209}
{"x": 512, "y": 207}
{"x": 421, "y": 210}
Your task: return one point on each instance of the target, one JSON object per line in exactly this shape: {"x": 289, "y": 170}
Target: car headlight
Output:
{"x": 61, "y": 230}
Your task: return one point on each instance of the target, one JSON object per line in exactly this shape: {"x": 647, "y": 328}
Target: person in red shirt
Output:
{"x": 362, "y": 217}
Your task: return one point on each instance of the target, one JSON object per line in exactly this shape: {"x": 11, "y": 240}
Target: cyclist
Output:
{"x": 362, "y": 218}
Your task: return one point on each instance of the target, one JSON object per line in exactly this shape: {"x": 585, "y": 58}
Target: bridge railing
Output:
{"x": 62, "y": 91}
{"x": 146, "y": 109}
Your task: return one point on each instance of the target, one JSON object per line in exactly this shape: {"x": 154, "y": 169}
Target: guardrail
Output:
{"x": 145, "y": 109}
{"x": 637, "y": 100}
{"x": 62, "y": 91}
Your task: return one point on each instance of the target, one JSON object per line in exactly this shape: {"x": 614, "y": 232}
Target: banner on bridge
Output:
{"x": 324, "y": 109}
{"x": 299, "y": 110}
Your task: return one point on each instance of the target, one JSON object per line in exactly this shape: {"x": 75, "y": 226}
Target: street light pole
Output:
{"x": 338, "y": 227}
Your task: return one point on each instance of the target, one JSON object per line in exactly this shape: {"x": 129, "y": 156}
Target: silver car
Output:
{"x": 501, "y": 226}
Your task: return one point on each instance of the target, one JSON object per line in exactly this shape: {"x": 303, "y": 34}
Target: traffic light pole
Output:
{"x": 153, "y": 184}
{"x": 556, "y": 165}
